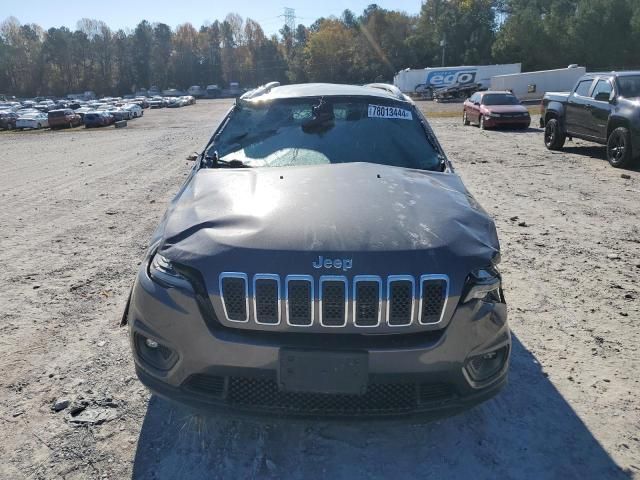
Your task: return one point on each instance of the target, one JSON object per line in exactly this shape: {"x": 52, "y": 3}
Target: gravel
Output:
{"x": 80, "y": 205}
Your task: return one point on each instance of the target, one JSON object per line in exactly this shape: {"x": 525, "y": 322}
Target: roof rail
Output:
{"x": 392, "y": 89}
{"x": 256, "y": 92}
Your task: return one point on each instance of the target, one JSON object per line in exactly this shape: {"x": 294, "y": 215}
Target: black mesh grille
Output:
{"x": 435, "y": 392}
{"x": 367, "y": 298}
{"x": 299, "y": 297}
{"x": 234, "y": 293}
{"x": 400, "y": 302}
{"x": 433, "y": 297}
{"x": 264, "y": 393}
{"x": 267, "y": 301}
{"x": 333, "y": 303}
{"x": 209, "y": 385}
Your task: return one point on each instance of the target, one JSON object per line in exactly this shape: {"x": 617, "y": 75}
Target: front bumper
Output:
{"x": 493, "y": 122}
{"x": 236, "y": 371}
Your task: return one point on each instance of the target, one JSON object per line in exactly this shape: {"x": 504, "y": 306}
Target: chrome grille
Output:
{"x": 233, "y": 289}
{"x": 434, "y": 289}
{"x": 367, "y": 296}
{"x": 400, "y": 304}
{"x": 333, "y": 301}
{"x": 266, "y": 299}
{"x": 398, "y": 301}
{"x": 299, "y": 292}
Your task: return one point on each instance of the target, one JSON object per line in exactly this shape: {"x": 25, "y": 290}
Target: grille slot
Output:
{"x": 367, "y": 294}
{"x": 433, "y": 295}
{"x": 266, "y": 293}
{"x": 233, "y": 290}
{"x": 333, "y": 301}
{"x": 299, "y": 301}
{"x": 400, "y": 295}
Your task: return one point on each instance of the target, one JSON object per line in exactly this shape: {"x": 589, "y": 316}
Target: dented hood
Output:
{"x": 262, "y": 219}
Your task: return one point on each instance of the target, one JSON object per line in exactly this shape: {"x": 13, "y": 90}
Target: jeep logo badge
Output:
{"x": 338, "y": 263}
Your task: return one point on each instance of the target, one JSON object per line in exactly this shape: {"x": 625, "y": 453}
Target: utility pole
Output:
{"x": 443, "y": 44}
{"x": 290, "y": 19}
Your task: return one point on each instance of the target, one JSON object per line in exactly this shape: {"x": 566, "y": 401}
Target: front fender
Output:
{"x": 555, "y": 109}
{"x": 622, "y": 119}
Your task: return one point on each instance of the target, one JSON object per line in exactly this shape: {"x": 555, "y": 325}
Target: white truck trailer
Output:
{"x": 423, "y": 80}
{"x": 533, "y": 85}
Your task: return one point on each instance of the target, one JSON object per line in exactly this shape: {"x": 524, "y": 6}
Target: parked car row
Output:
{"x": 171, "y": 102}
{"x": 56, "y": 114}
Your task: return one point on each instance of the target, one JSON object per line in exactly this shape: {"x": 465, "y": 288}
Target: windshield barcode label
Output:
{"x": 381, "y": 111}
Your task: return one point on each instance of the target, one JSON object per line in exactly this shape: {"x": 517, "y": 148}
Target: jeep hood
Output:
{"x": 261, "y": 219}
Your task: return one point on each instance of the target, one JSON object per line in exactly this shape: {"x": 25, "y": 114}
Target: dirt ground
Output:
{"x": 78, "y": 207}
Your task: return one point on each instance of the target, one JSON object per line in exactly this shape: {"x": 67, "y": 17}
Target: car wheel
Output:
{"x": 39, "y": 126}
{"x": 619, "y": 151}
{"x": 465, "y": 120}
{"x": 553, "y": 137}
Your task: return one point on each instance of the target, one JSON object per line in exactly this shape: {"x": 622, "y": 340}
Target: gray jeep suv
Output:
{"x": 322, "y": 260}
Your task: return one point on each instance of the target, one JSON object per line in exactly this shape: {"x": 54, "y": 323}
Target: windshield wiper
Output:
{"x": 231, "y": 164}
{"x": 213, "y": 161}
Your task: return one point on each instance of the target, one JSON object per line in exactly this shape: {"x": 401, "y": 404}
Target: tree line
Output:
{"x": 371, "y": 46}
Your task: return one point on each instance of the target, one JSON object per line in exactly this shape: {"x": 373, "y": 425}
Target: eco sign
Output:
{"x": 441, "y": 78}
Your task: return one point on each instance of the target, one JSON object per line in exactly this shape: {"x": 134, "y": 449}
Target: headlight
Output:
{"x": 494, "y": 115}
{"x": 162, "y": 270}
{"x": 484, "y": 284}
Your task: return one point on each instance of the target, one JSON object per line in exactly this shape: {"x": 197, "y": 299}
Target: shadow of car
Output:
{"x": 528, "y": 431}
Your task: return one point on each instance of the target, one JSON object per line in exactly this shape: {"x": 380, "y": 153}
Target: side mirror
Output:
{"x": 192, "y": 157}
{"x": 602, "y": 96}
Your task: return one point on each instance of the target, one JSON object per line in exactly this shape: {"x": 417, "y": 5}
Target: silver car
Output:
{"x": 323, "y": 259}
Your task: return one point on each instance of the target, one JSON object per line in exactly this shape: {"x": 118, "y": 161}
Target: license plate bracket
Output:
{"x": 323, "y": 371}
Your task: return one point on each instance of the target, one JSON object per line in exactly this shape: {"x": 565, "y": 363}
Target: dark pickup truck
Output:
{"x": 602, "y": 108}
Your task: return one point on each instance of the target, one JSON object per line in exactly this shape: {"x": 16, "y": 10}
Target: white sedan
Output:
{"x": 135, "y": 110}
{"x": 32, "y": 120}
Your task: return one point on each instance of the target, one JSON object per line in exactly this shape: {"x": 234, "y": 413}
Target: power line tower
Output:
{"x": 290, "y": 18}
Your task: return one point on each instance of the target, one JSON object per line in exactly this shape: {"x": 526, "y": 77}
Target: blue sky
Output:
{"x": 122, "y": 14}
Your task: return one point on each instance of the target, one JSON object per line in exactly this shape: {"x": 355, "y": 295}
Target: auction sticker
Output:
{"x": 382, "y": 111}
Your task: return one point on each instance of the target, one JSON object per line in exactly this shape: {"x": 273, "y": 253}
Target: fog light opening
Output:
{"x": 482, "y": 367}
{"x": 155, "y": 354}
